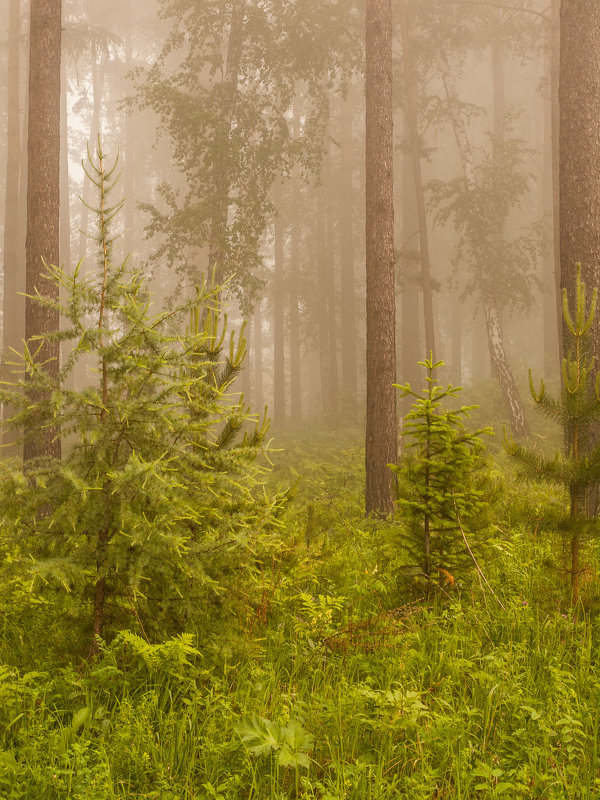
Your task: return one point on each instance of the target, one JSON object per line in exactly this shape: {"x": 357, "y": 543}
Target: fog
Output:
{"x": 239, "y": 126}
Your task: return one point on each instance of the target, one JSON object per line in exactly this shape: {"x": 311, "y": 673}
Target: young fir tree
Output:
{"x": 577, "y": 411}
{"x": 444, "y": 481}
{"x": 157, "y": 474}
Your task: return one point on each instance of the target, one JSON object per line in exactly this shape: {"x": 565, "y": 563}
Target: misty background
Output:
{"x": 242, "y": 150}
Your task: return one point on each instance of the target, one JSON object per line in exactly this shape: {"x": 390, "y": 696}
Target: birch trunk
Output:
{"x": 495, "y": 336}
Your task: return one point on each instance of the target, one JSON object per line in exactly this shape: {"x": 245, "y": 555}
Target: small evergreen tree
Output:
{"x": 158, "y": 473}
{"x": 577, "y": 411}
{"x": 444, "y": 486}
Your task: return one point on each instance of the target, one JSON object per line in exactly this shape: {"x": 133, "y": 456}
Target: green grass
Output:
{"x": 330, "y": 677}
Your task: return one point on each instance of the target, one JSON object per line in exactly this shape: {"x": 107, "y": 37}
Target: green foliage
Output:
{"x": 160, "y": 483}
{"x": 577, "y": 412}
{"x": 445, "y": 484}
{"x": 223, "y": 87}
{"x": 497, "y": 265}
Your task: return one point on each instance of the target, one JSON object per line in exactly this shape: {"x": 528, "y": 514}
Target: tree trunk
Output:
{"x": 579, "y": 169}
{"x": 221, "y": 167}
{"x": 348, "y": 291}
{"x": 245, "y": 377}
{"x": 13, "y": 304}
{"x": 554, "y": 84}
{"x": 456, "y": 315}
{"x": 495, "y": 336}
{"x": 321, "y": 304}
{"x": 381, "y": 439}
{"x": 329, "y": 285}
{"x": 43, "y": 199}
{"x": 259, "y": 394}
{"x": 278, "y": 315}
{"x": 579, "y": 98}
{"x": 411, "y": 344}
{"x": 412, "y": 119}
{"x": 293, "y": 284}
{"x": 550, "y": 252}
{"x": 99, "y": 593}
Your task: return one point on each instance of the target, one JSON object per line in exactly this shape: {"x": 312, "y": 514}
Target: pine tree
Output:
{"x": 577, "y": 411}
{"x": 444, "y": 482}
{"x": 160, "y": 470}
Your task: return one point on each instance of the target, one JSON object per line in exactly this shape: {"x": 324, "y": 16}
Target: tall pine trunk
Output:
{"x": 381, "y": 424}
{"x": 579, "y": 171}
{"x": 43, "y": 200}
{"x": 13, "y": 330}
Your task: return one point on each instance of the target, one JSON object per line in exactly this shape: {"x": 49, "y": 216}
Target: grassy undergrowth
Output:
{"x": 330, "y": 676}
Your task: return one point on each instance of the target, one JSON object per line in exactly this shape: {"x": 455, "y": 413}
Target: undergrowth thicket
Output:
{"x": 333, "y": 679}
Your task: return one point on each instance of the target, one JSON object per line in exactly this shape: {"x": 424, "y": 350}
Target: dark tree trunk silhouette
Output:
{"x": 381, "y": 424}
{"x": 43, "y": 198}
{"x": 412, "y": 120}
{"x": 321, "y": 298}
{"x": 347, "y": 277}
{"x": 328, "y": 278}
{"x": 278, "y": 313}
{"x": 293, "y": 285}
{"x": 411, "y": 347}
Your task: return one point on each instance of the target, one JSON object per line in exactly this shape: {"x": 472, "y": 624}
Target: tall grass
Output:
{"x": 335, "y": 681}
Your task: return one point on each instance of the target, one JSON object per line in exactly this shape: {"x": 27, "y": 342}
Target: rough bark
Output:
{"x": 412, "y": 120}
{"x": 381, "y": 424}
{"x": 579, "y": 159}
{"x": 43, "y": 198}
{"x": 13, "y": 330}
{"x": 579, "y": 174}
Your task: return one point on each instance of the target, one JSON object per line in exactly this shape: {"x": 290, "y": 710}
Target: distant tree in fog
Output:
{"x": 223, "y": 87}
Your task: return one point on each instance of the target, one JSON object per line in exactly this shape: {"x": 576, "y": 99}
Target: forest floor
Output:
{"x": 339, "y": 675}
